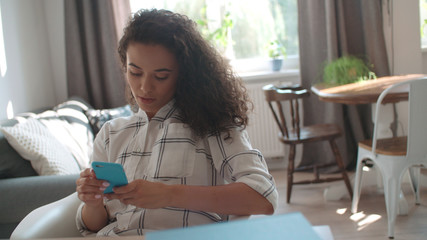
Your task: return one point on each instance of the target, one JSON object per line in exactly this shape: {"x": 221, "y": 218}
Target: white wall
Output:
{"x": 424, "y": 61}
{"x": 35, "y": 50}
{"x": 35, "y": 54}
{"x": 402, "y": 32}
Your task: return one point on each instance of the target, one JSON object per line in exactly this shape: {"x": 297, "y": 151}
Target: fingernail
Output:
{"x": 102, "y": 188}
{"x": 106, "y": 184}
{"x": 97, "y": 196}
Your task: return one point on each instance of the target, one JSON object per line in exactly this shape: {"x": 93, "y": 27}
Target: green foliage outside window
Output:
{"x": 218, "y": 36}
{"x": 244, "y": 26}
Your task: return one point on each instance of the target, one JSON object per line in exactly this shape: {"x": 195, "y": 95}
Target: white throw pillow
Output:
{"x": 70, "y": 136}
{"x": 33, "y": 141}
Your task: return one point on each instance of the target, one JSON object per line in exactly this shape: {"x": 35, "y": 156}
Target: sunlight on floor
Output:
{"x": 364, "y": 220}
{"x": 357, "y": 216}
{"x": 341, "y": 211}
{"x": 368, "y": 220}
{"x": 360, "y": 218}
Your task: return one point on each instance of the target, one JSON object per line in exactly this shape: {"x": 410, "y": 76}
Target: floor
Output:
{"x": 371, "y": 221}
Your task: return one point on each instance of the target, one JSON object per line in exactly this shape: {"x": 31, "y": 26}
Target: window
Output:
{"x": 3, "y": 66}
{"x": 254, "y": 25}
{"x": 423, "y": 23}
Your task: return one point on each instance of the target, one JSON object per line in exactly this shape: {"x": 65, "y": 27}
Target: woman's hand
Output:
{"x": 89, "y": 189}
{"x": 143, "y": 194}
{"x": 233, "y": 198}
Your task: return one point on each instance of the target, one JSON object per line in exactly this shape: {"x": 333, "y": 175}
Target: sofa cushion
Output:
{"x": 70, "y": 114}
{"x": 97, "y": 118}
{"x": 33, "y": 141}
{"x": 12, "y": 165}
{"x": 68, "y": 123}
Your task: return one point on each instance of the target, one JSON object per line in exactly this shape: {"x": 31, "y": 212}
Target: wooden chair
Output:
{"x": 292, "y": 133}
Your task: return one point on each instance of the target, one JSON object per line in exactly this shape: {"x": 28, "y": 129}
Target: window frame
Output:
{"x": 249, "y": 67}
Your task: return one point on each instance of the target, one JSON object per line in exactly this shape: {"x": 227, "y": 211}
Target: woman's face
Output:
{"x": 152, "y": 73}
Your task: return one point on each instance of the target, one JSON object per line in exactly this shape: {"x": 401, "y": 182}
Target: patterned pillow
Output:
{"x": 97, "y": 118}
{"x": 33, "y": 141}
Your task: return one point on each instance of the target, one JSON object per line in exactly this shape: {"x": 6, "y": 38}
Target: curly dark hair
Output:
{"x": 209, "y": 95}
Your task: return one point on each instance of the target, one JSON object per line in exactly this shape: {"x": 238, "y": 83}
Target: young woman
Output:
{"x": 185, "y": 152}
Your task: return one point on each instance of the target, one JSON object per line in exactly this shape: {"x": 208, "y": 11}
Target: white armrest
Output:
{"x": 53, "y": 220}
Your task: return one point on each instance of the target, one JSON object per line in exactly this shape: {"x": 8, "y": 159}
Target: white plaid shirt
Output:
{"x": 165, "y": 150}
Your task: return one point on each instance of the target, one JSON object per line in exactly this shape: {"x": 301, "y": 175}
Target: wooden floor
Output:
{"x": 371, "y": 221}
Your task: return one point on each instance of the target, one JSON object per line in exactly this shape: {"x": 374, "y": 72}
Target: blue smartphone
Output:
{"x": 111, "y": 172}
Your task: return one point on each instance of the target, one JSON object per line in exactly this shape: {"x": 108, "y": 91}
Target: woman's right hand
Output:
{"x": 89, "y": 189}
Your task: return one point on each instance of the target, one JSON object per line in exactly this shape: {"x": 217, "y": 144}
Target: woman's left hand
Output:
{"x": 232, "y": 199}
{"x": 143, "y": 194}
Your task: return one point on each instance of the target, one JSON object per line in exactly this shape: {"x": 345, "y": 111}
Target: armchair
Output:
{"x": 53, "y": 220}
{"x": 57, "y": 220}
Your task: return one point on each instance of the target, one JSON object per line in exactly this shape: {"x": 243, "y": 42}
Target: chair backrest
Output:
{"x": 279, "y": 95}
{"x": 417, "y": 120}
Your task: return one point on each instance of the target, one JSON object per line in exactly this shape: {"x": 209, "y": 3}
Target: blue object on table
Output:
{"x": 287, "y": 226}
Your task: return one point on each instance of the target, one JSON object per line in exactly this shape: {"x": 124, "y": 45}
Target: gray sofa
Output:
{"x": 21, "y": 188}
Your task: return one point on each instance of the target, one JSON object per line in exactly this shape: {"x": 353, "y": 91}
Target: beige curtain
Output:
{"x": 329, "y": 29}
{"x": 92, "y": 31}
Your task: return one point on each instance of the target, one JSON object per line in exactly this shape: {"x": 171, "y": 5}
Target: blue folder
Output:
{"x": 286, "y": 226}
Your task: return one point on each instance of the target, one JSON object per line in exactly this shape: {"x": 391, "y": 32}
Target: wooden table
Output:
{"x": 365, "y": 92}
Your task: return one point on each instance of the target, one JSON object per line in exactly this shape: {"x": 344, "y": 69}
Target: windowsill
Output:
{"x": 259, "y": 70}
{"x": 269, "y": 75}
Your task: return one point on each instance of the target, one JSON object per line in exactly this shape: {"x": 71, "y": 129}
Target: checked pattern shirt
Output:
{"x": 165, "y": 150}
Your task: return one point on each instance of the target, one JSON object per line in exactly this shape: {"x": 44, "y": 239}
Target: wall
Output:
{"x": 424, "y": 61}
{"x": 402, "y": 34}
{"x": 35, "y": 54}
{"x": 35, "y": 50}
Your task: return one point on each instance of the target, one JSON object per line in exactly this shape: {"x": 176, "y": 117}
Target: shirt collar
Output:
{"x": 164, "y": 113}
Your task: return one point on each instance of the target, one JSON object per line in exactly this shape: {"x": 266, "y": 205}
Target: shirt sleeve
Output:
{"x": 99, "y": 154}
{"x": 237, "y": 161}
{"x": 80, "y": 224}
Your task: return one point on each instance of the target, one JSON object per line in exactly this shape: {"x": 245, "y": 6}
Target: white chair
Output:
{"x": 54, "y": 220}
{"x": 394, "y": 156}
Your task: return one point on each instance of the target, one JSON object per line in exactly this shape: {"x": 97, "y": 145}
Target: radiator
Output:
{"x": 263, "y": 130}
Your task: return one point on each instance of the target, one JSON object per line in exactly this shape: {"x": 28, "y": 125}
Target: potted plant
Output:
{"x": 276, "y": 51}
{"x": 347, "y": 69}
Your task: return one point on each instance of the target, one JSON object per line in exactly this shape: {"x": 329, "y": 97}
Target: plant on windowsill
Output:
{"x": 347, "y": 69}
{"x": 276, "y": 51}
